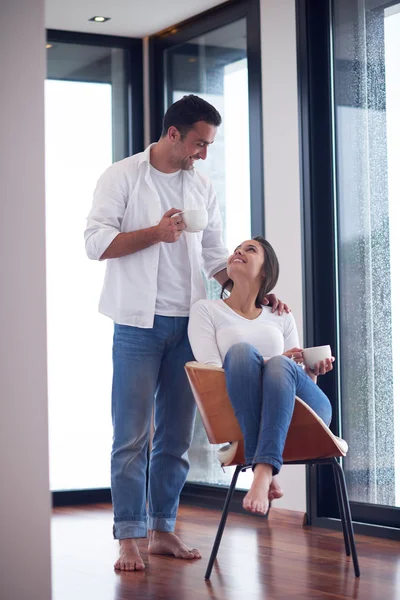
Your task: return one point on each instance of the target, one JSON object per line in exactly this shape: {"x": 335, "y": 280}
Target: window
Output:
{"x": 367, "y": 96}
{"x": 214, "y": 66}
{"x": 209, "y": 57}
{"x": 86, "y": 112}
{"x": 349, "y": 99}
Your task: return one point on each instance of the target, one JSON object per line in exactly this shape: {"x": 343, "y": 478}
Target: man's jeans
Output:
{"x": 149, "y": 368}
{"x": 263, "y": 397}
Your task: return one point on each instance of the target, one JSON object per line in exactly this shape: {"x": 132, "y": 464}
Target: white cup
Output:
{"x": 313, "y": 356}
{"x": 195, "y": 220}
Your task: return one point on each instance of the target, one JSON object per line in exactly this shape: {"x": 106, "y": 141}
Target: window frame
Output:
{"x": 320, "y": 273}
{"x": 215, "y": 18}
{"x": 135, "y": 143}
{"x": 133, "y": 74}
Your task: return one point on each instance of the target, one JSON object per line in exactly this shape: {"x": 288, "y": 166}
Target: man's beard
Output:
{"x": 187, "y": 164}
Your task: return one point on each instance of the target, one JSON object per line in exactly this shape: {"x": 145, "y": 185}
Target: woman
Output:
{"x": 260, "y": 354}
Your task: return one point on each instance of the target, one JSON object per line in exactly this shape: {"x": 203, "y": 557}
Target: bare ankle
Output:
{"x": 263, "y": 470}
{"x": 127, "y": 542}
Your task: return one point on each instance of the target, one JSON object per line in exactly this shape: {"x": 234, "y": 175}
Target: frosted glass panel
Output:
{"x": 367, "y": 101}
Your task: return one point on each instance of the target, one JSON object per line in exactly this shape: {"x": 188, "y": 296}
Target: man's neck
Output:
{"x": 160, "y": 160}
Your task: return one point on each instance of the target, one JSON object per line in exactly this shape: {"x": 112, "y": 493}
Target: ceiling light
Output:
{"x": 99, "y": 19}
{"x": 192, "y": 59}
{"x": 49, "y": 46}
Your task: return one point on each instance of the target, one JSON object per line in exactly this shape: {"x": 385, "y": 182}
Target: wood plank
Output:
{"x": 258, "y": 559}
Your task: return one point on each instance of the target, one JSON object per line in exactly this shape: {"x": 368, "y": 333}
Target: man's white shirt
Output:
{"x": 128, "y": 198}
{"x": 173, "y": 291}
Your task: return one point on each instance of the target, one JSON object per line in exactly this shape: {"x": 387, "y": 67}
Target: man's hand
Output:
{"x": 169, "y": 230}
{"x": 275, "y": 304}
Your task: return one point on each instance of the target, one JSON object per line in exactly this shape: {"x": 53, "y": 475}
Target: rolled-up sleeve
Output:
{"x": 215, "y": 254}
{"x": 105, "y": 218}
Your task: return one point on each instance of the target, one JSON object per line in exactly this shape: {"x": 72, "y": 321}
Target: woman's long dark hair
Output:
{"x": 271, "y": 272}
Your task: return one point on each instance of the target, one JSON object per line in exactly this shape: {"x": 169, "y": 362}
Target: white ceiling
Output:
{"x": 129, "y": 18}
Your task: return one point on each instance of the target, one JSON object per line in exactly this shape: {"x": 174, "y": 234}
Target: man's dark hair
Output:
{"x": 187, "y": 111}
{"x": 271, "y": 272}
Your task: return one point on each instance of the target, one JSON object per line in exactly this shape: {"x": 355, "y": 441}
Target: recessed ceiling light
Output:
{"x": 49, "y": 46}
{"x": 99, "y": 19}
{"x": 192, "y": 59}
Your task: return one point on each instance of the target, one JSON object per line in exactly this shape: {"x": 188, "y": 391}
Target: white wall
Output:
{"x": 282, "y": 179}
{"x": 25, "y": 498}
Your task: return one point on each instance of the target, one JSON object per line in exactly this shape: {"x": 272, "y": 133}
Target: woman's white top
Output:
{"x": 214, "y": 328}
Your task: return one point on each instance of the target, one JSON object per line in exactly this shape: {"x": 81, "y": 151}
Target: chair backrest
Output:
{"x": 308, "y": 436}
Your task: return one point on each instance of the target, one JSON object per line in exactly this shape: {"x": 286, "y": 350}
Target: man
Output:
{"x": 153, "y": 275}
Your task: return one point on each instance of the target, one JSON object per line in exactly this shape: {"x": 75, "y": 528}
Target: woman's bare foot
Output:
{"x": 129, "y": 557}
{"x": 256, "y": 500}
{"x": 163, "y": 542}
{"x": 275, "y": 491}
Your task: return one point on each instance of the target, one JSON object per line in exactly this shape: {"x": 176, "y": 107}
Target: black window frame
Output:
{"x": 135, "y": 143}
{"x": 203, "y": 494}
{"x": 215, "y": 18}
{"x": 133, "y": 73}
{"x": 320, "y": 278}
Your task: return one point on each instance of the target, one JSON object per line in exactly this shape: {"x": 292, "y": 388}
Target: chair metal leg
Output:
{"x": 339, "y": 495}
{"x": 346, "y": 506}
{"x": 222, "y": 522}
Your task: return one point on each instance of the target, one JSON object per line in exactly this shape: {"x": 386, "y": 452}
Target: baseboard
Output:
{"x": 76, "y": 497}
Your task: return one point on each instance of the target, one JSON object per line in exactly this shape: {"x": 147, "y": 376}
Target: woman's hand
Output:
{"x": 320, "y": 368}
{"x": 295, "y": 354}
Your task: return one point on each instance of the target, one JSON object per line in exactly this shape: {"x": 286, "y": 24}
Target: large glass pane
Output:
{"x": 367, "y": 107}
{"x": 214, "y": 66}
{"x": 85, "y": 131}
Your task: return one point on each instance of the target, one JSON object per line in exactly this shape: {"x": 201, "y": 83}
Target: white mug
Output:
{"x": 195, "y": 220}
{"x": 313, "y": 356}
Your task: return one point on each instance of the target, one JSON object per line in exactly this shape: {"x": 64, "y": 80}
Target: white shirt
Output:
{"x": 126, "y": 200}
{"x": 214, "y": 327}
{"x": 173, "y": 291}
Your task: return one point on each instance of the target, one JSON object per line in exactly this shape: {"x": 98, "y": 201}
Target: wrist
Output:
{"x": 155, "y": 235}
{"x": 312, "y": 376}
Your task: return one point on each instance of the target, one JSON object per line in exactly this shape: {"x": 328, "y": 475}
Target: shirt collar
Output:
{"x": 145, "y": 158}
{"x": 145, "y": 155}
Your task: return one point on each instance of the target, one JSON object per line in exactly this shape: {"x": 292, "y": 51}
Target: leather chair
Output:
{"x": 309, "y": 441}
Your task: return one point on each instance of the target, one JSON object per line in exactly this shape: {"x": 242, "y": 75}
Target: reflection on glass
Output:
{"x": 82, "y": 139}
{"x": 214, "y": 66}
{"x": 367, "y": 101}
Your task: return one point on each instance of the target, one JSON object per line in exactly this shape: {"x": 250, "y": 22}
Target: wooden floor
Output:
{"x": 258, "y": 559}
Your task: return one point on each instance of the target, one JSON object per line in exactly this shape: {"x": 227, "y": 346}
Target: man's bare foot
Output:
{"x": 162, "y": 542}
{"x": 275, "y": 490}
{"x": 129, "y": 557}
{"x": 256, "y": 500}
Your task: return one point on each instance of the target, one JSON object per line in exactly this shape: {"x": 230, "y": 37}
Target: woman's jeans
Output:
{"x": 149, "y": 370}
{"x": 263, "y": 396}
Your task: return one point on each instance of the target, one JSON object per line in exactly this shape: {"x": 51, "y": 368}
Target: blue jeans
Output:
{"x": 263, "y": 396}
{"x": 148, "y": 369}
